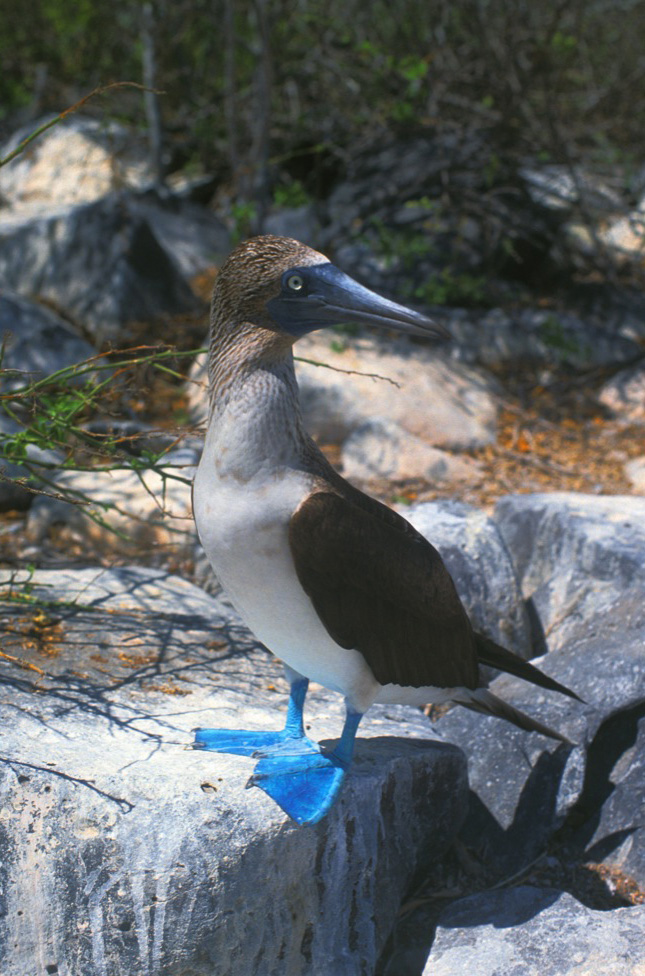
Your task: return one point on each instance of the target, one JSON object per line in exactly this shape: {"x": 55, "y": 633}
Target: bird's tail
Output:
{"x": 490, "y": 653}
{"x": 482, "y": 700}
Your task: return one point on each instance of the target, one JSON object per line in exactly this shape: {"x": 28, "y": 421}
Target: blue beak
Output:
{"x": 321, "y": 295}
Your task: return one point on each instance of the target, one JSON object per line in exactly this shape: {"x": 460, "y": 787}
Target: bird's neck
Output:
{"x": 255, "y": 422}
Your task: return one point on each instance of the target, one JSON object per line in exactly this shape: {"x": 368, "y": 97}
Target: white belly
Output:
{"x": 244, "y": 530}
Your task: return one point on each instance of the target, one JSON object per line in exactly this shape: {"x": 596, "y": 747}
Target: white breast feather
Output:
{"x": 244, "y": 531}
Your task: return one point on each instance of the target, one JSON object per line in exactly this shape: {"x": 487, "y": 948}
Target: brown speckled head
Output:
{"x": 242, "y": 333}
{"x": 251, "y": 276}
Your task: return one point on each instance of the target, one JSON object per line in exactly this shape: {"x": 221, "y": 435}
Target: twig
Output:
{"x": 349, "y": 372}
{"x": 100, "y": 90}
{"x": 22, "y": 664}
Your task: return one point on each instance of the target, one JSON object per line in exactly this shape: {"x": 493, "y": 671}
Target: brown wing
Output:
{"x": 380, "y": 587}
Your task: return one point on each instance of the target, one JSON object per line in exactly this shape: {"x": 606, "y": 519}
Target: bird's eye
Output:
{"x": 295, "y": 282}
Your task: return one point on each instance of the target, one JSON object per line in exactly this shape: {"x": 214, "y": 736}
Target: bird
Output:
{"x": 340, "y": 587}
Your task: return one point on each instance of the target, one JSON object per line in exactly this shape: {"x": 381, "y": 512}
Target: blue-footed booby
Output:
{"x": 337, "y": 585}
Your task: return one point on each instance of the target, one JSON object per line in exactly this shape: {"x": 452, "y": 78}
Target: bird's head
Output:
{"x": 286, "y": 287}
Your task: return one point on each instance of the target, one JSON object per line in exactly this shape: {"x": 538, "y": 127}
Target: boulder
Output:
{"x": 76, "y": 161}
{"x": 530, "y": 794}
{"x": 624, "y": 237}
{"x": 443, "y": 403}
{"x": 202, "y": 574}
{"x": 382, "y": 449}
{"x": 474, "y": 551}
{"x": 530, "y": 338}
{"x": 560, "y": 187}
{"x": 124, "y": 851}
{"x": 614, "y": 833}
{"x": 191, "y": 235}
{"x": 536, "y": 932}
{"x": 580, "y": 560}
{"x": 348, "y": 381}
{"x": 635, "y": 471}
{"x": 523, "y": 785}
{"x": 624, "y": 395}
{"x": 595, "y": 218}
{"x": 39, "y": 342}
{"x": 300, "y": 223}
{"x": 121, "y": 259}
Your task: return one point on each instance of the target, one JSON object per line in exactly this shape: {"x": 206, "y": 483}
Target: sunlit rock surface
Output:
{"x": 126, "y": 852}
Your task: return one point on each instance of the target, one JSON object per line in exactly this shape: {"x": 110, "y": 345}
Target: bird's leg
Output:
{"x": 307, "y": 786}
{"x": 294, "y": 726}
{"x": 243, "y": 742}
{"x": 344, "y": 751}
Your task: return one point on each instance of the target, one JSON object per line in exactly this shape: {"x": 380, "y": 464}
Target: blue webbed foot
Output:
{"x": 288, "y": 746}
{"x": 305, "y": 786}
{"x": 243, "y": 742}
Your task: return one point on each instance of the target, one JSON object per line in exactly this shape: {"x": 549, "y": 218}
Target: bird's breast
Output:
{"x": 243, "y": 525}
{"x": 244, "y": 529}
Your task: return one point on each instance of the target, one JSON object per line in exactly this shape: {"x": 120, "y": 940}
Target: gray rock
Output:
{"x": 523, "y": 785}
{"x": 597, "y": 215}
{"x": 529, "y": 931}
{"x": 624, "y": 237}
{"x": 614, "y": 798}
{"x": 624, "y": 395}
{"x": 203, "y": 575}
{"x": 12, "y": 494}
{"x": 635, "y": 471}
{"x": 191, "y": 235}
{"x": 383, "y": 449}
{"x": 559, "y": 187}
{"x": 529, "y": 337}
{"x": 580, "y": 559}
{"x": 124, "y": 852}
{"x": 76, "y": 161}
{"x": 478, "y": 561}
{"x": 102, "y": 263}
{"x": 443, "y": 403}
{"x": 39, "y": 342}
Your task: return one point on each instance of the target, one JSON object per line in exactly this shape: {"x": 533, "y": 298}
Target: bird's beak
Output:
{"x": 330, "y": 297}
